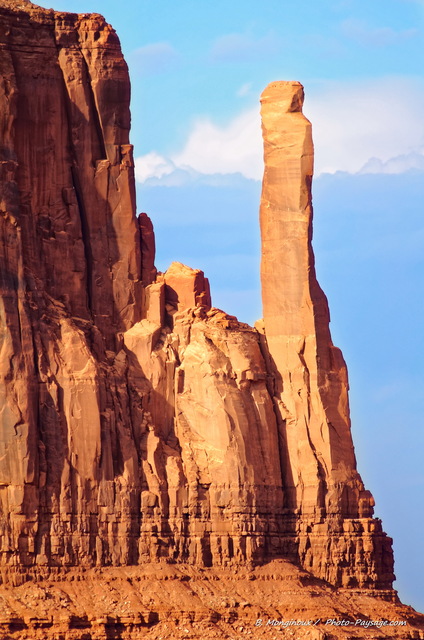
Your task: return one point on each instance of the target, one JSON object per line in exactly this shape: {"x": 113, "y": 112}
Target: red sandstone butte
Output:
{"x": 158, "y": 457}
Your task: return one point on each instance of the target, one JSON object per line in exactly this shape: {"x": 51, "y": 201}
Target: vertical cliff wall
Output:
{"x": 70, "y": 285}
{"x": 139, "y": 423}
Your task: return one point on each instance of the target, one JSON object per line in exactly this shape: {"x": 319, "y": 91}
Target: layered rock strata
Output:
{"x": 176, "y": 602}
{"x": 139, "y": 423}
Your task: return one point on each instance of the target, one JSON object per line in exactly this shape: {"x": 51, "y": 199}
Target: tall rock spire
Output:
{"x": 320, "y": 480}
{"x": 312, "y": 382}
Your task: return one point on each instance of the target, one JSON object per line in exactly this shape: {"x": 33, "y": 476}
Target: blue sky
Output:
{"x": 197, "y": 71}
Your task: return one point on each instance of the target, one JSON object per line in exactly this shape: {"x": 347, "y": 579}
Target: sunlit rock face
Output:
{"x": 70, "y": 286}
{"x": 319, "y": 473}
{"x": 138, "y": 422}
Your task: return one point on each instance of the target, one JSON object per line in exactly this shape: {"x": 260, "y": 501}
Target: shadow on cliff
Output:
{"x": 156, "y": 442}
{"x": 70, "y": 248}
{"x": 289, "y": 548}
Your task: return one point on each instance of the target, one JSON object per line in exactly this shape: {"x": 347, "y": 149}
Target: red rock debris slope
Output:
{"x": 157, "y": 457}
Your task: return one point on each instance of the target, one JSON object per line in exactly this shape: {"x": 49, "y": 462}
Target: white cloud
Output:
{"x": 152, "y": 165}
{"x": 235, "y": 148}
{"x": 244, "y": 90}
{"x": 158, "y": 57}
{"x": 399, "y": 164}
{"x": 374, "y": 126}
{"x": 242, "y": 47}
{"x": 353, "y": 122}
{"x": 366, "y": 35}
{"x": 342, "y": 4}
{"x": 323, "y": 46}
{"x": 155, "y": 170}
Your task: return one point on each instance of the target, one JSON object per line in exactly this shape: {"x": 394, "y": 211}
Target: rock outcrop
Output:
{"x": 138, "y": 423}
{"x": 70, "y": 286}
{"x": 275, "y": 601}
{"x": 321, "y": 483}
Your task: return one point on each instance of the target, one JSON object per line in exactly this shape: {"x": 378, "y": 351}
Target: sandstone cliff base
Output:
{"x": 181, "y": 601}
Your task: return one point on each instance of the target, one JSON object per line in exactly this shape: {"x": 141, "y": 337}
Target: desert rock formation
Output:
{"x": 70, "y": 286}
{"x": 310, "y": 391}
{"x": 275, "y": 601}
{"x": 139, "y": 424}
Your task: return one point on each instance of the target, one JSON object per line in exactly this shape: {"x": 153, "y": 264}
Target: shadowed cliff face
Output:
{"x": 139, "y": 423}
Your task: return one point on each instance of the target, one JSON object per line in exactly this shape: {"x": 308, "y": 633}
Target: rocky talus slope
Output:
{"x": 158, "y": 457}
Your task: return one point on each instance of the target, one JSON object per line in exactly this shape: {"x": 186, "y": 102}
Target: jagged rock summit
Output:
{"x": 141, "y": 426}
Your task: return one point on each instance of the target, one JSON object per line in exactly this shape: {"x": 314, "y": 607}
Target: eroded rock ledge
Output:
{"x": 138, "y": 423}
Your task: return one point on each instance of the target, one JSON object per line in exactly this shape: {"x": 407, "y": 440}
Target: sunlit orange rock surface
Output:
{"x": 310, "y": 392}
{"x": 147, "y": 437}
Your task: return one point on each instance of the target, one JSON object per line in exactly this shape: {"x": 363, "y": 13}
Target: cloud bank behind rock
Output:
{"x": 368, "y": 127}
